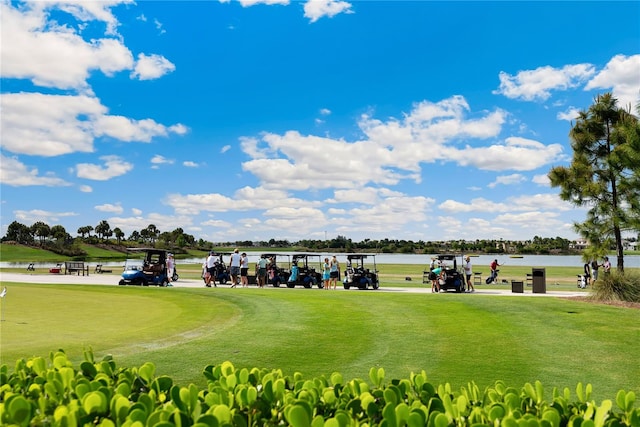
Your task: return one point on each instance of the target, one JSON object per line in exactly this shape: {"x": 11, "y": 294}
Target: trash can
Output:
{"x": 539, "y": 281}
{"x": 517, "y": 286}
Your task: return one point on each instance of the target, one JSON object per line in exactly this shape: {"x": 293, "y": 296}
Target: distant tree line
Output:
{"x": 57, "y": 239}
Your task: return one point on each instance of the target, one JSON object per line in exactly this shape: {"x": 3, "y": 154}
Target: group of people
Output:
{"x": 591, "y": 270}
{"x": 330, "y": 272}
{"x": 239, "y": 269}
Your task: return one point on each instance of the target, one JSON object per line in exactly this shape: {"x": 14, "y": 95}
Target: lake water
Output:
{"x": 632, "y": 261}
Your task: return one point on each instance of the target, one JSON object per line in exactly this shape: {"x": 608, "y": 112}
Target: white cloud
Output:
{"x": 622, "y": 73}
{"x": 190, "y": 164}
{"x": 86, "y": 189}
{"x": 52, "y": 125}
{"x": 244, "y": 199}
{"x": 113, "y": 166}
{"x": 150, "y": 67}
{"x": 530, "y": 85}
{"x": 161, "y": 160}
{"x": 224, "y": 149}
{"x": 108, "y": 207}
{"x": 29, "y": 40}
{"x": 512, "y": 179}
{"x": 568, "y": 115}
{"x": 325, "y": 111}
{"x": 16, "y": 174}
{"x": 316, "y": 9}
{"x": 139, "y": 222}
{"x": 35, "y": 215}
{"x": 136, "y": 211}
{"x": 392, "y": 150}
{"x": 542, "y": 180}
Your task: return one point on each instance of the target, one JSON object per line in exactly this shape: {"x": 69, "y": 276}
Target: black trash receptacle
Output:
{"x": 538, "y": 281}
{"x": 517, "y": 286}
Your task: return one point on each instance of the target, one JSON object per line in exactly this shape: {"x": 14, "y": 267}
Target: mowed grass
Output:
{"x": 455, "y": 338}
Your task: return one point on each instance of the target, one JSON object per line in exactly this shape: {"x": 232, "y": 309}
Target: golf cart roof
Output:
{"x": 149, "y": 250}
{"x": 359, "y": 256}
{"x": 446, "y": 257}
{"x": 298, "y": 256}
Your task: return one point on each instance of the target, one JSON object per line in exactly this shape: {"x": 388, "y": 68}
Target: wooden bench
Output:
{"x": 76, "y": 267}
{"x": 529, "y": 279}
{"x": 101, "y": 270}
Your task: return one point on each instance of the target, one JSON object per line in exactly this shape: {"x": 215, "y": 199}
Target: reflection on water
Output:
{"x": 632, "y": 261}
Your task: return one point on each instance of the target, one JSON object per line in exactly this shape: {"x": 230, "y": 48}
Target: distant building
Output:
{"x": 579, "y": 244}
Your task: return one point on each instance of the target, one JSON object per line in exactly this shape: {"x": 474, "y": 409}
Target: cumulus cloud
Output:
{"x": 244, "y": 199}
{"x": 30, "y": 39}
{"x": 542, "y": 180}
{"x": 111, "y": 208}
{"x": 316, "y": 9}
{"x": 113, "y": 166}
{"x": 531, "y": 85}
{"x": 393, "y": 150}
{"x": 568, "y": 115}
{"x": 85, "y": 188}
{"x": 17, "y": 174}
{"x": 34, "y": 215}
{"x": 52, "y": 125}
{"x": 622, "y": 75}
{"x": 161, "y": 160}
{"x": 512, "y": 179}
{"x": 150, "y": 67}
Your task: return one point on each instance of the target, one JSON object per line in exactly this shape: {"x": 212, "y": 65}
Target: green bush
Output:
{"x": 100, "y": 393}
{"x": 618, "y": 287}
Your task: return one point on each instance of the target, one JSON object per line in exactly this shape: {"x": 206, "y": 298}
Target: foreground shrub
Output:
{"x": 618, "y": 287}
{"x": 100, "y": 393}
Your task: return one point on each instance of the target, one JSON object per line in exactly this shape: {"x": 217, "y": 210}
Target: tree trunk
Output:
{"x": 619, "y": 248}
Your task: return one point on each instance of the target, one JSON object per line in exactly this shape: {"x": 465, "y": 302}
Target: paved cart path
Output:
{"x": 111, "y": 279}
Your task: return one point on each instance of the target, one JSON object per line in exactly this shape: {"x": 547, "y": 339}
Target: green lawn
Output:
{"x": 454, "y": 338}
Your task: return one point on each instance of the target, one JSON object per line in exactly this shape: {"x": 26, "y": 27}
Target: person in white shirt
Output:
{"x": 234, "y": 267}
{"x": 210, "y": 275}
{"x": 468, "y": 271}
{"x": 244, "y": 270}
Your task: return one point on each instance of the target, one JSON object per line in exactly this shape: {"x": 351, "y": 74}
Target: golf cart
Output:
{"x": 276, "y": 275}
{"x": 304, "y": 274}
{"x": 357, "y": 275}
{"x": 146, "y": 266}
{"x": 452, "y": 278}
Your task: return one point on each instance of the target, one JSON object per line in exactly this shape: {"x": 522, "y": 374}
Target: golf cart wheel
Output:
{"x": 320, "y": 285}
{"x": 346, "y": 286}
{"x": 223, "y": 280}
{"x": 376, "y": 285}
{"x": 307, "y": 285}
{"x": 122, "y": 282}
{"x": 291, "y": 285}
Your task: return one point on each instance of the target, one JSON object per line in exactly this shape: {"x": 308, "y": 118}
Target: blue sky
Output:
{"x": 280, "y": 119}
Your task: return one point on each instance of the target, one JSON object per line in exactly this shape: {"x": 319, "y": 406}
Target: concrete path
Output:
{"x": 111, "y": 279}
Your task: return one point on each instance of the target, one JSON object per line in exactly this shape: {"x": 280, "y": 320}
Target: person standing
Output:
{"x": 171, "y": 264}
{"x": 210, "y": 275}
{"x": 587, "y": 273}
{"x": 262, "y": 271}
{"x": 436, "y": 275}
{"x": 494, "y": 270}
{"x": 468, "y": 271}
{"x": 606, "y": 266}
{"x": 234, "y": 267}
{"x": 594, "y": 271}
{"x": 334, "y": 273}
{"x": 326, "y": 274}
{"x": 244, "y": 270}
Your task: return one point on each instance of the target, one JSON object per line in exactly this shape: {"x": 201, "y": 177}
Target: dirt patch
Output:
{"x": 624, "y": 304}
